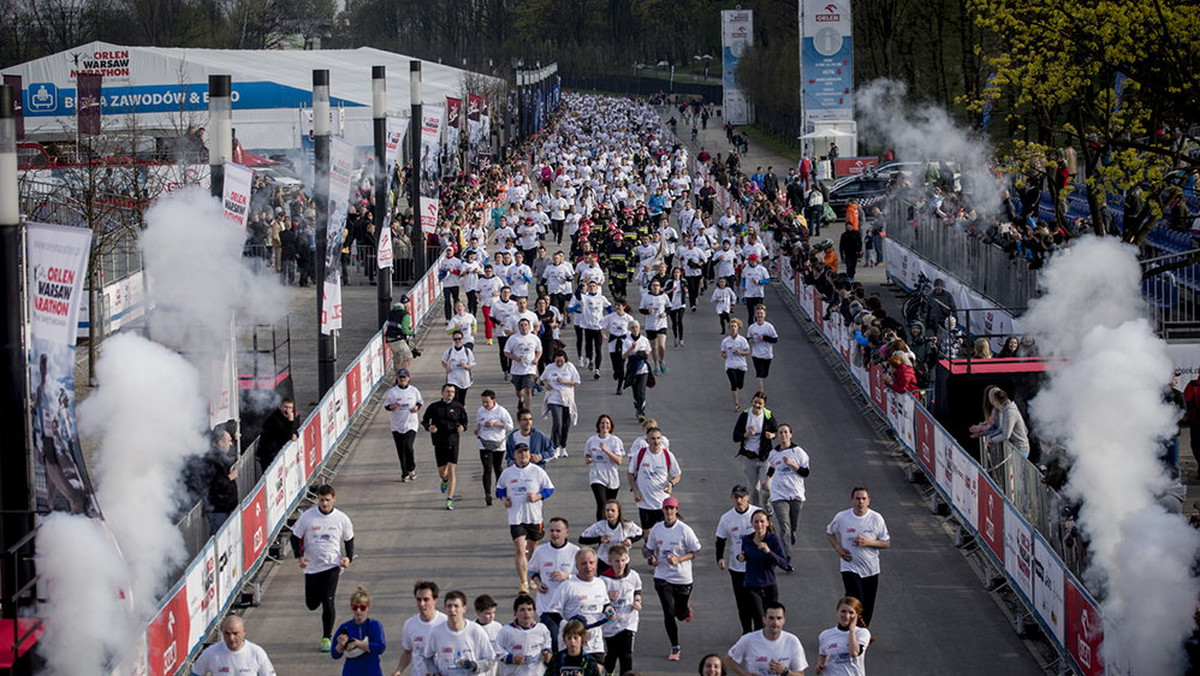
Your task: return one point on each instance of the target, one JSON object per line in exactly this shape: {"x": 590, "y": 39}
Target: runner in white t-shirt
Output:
{"x": 732, "y": 526}
{"x": 317, "y": 540}
{"x": 522, "y": 487}
{"x": 670, "y": 547}
{"x": 790, "y": 466}
{"x": 841, "y": 649}
{"x": 234, "y": 654}
{"x": 458, "y": 647}
{"x": 857, "y": 534}
{"x": 550, "y": 566}
{"x": 523, "y": 645}
{"x": 653, "y": 473}
{"x": 404, "y": 402}
{"x": 417, "y": 628}
{"x": 770, "y": 651}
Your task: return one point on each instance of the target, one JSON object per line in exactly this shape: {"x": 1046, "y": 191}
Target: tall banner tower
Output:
{"x": 737, "y": 35}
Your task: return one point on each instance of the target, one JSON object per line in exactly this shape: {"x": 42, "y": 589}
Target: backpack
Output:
{"x": 642, "y": 454}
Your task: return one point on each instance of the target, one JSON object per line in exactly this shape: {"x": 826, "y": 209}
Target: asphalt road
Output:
{"x": 932, "y": 615}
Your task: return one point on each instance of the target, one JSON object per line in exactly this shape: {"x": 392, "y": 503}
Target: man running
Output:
{"x": 857, "y": 534}
{"x": 417, "y": 628}
{"x": 445, "y": 420}
{"x": 522, "y": 488}
{"x": 317, "y": 540}
{"x": 404, "y": 401}
{"x": 770, "y": 650}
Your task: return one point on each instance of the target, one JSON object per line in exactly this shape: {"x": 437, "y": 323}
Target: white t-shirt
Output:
{"x": 846, "y": 525}
{"x": 489, "y": 290}
{"x": 457, "y": 358}
{"x": 752, "y": 276}
{"x": 497, "y": 414}
{"x": 653, "y": 476}
{"x": 834, "y": 644}
{"x": 624, "y": 616}
{"x": 464, "y": 322}
{"x": 554, "y": 389}
{"x": 323, "y": 535}
{"x": 723, "y": 300}
{"x": 447, "y": 649}
{"x": 729, "y": 347}
{"x": 493, "y": 630}
{"x": 786, "y": 484}
{"x": 624, "y": 530}
{"x": 726, "y": 260}
{"x": 642, "y": 344}
{"x": 676, "y": 540}
{"x": 523, "y": 351}
{"x": 402, "y": 418}
{"x": 547, "y": 559}
{"x": 754, "y": 652}
{"x": 559, "y": 278}
{"x": 517, "y": 484}
{"x": 416, "y": 634}
{"x": 617, "y": 326}
{"x": 515, "y": 640}
{"x": 587, "y": 599}
{"x": 758, "y": 347}
{"x": 733, "y": 526}
{"x": 218, "y": 660}
{"x": 656, "y": 311}
{"x": 602, "y": 470}
{"x": 754, "y": 421}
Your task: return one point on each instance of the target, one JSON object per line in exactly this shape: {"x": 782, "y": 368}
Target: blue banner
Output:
{"x": 44, "y": 99}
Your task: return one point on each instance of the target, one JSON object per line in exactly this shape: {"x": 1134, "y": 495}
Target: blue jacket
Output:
{"x": 366, "y": 664}
{"x": 760, "y": 565}
{"x": 539, "y": 444}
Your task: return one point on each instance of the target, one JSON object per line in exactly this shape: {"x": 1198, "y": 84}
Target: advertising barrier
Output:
{"x": 218, "y": 573}
{"x": 1054, "y": 596}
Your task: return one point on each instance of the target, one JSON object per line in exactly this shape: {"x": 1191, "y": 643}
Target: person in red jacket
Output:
{"x": 902, "y": 378}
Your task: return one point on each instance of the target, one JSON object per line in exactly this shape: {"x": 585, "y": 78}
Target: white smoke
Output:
{"x": 1108, "y": 408}
{"x": 88, "y": 622}
{"x": 197, "y": 278}
{"x": 149, "y": 416}
{"x": 923, "y": 132}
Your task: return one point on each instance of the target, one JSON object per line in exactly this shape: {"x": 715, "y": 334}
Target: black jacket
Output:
{"x": 222, "y": 492}
{"x": 764, "y": 445}
{"x": 447, "y": 418}
{"x": 277, "y": 430}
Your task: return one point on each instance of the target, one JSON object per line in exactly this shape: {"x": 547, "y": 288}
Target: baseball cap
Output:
{"x": 671, "y": 502}
{"x": 402, "y": 373}
{"x": 752, "y": 257}
{"x": 739, "y": 489}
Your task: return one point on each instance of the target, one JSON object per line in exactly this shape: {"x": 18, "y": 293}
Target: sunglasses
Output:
{"x": 355, "y": 606}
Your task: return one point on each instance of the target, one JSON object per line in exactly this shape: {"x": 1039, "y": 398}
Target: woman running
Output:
{"x": 762, "y": 338}
{"x": 604, "y": 454}
{"x": 611, "y": 529}
{"x": 677, "y": 302}
{"x": 789, "y": 464}
{"x": 762, "y": 551}
{"x": 670, "y": 547}
{"x": 654, "y": 306}
{"x": 561, "y": 378}
{"x": 723, "y": 300}
{"x": 616, "y": 323}
{"x": 636, "y": 352}
{"x": 734, "y": 350}
{"x": 842, "y": 648}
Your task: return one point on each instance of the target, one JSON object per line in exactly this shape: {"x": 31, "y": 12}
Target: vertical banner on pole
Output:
{"x": 432, "y": 118}
{"x": 87, "y": 103}
{"x": 236, "y": 200}
{"x": 18, "y": 106}
{"x": 474, "y": 124}
{"x": 737, "y": 34}
{"x": 57, "y": 265}
{"x": 453, "y": 124}
{"x": 341, "y": 166}
{"x": 827, "y": 44}
{"x": 485, "y": 113}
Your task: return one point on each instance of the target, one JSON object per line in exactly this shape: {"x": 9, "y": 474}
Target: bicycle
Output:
{"x": 916, "y": 304}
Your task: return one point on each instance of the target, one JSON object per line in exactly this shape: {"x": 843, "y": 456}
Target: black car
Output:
{"x": 857, "y": 188}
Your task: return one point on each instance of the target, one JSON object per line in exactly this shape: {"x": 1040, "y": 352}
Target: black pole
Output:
{"x": 16, "y": 516}
{"x": 382, "y": 203}
{"x": 220, "y": 126}
{"x": 418, "y": 233}
{"x": 326, "y": 347}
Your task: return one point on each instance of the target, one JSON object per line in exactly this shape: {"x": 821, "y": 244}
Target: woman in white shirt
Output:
{"x": 457, "y": 361}
{"x": 464, "y": 322}
{"x": 677, "y": 302}
{"x": 790, "y": 465}
{"x": 723, "y": 300}
{"x": 560, "y": 378}
{"x": 762, "y": 337}
{"x": 734, "y": 350}
{"x": 636, "y": 351}
{"x": 654, "y": 306}
{"x": 604, "y": 454}
{"x": 616, "y": 323}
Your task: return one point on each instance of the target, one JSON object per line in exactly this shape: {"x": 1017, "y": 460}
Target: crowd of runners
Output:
{"x": 605, "y": 232}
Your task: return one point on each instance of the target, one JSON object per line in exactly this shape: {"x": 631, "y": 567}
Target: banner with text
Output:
{"x": 88, "y": 112}
{"x": 57, "y": 259}
{"x": 826, "y": 61}
{"x": 236, "y": 202}
{"x": 737, "y": 35}
{"x": 341, "y": 167}
{"x": 432, "y": 119}
{"x": 474, "y": 123}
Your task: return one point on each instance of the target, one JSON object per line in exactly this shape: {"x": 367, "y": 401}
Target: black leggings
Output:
{"x": 737, "y": 378}
{"x": 319, "y": 590}
{"x": 863, "y": 589}
{"x": 674, "y": 599}
{"x": 404, "y": 450}
{"x": 592, "y": 342}
{"x": 760, "y": 597}
{"x": 579, "y": 341}
{"x": 449, "y": 298}
{"x": 603, "y": 494}
{"x": 493, "y": 465}
{"x": 693, "y": 285}
{"x": 618, "y": 647}
{"x": 676, "y": 317}
{"x": 741, "y": 597}
{"x": 618, "y": 367}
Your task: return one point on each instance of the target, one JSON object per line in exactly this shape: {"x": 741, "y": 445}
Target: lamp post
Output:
{"x": 418, "y": 234}
{"x": 382, "y": 203}
{"x": 16, "y": 519}
{"x": 220, "y": 131}
{"x": 326, "y": 343}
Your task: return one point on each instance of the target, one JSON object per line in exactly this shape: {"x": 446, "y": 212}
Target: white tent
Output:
{"x": 164, "y": 90}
